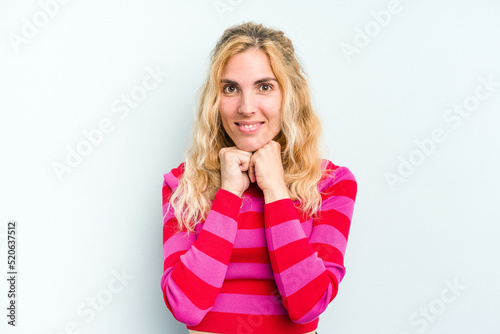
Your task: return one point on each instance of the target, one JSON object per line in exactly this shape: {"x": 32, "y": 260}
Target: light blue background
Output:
{"x": 440, "y": 225}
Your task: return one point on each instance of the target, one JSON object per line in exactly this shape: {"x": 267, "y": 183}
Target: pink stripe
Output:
{"x": 237, "y": 270}
{"x": 184, "y": 310}
{"x": 252, "y": 204}
{"x": 248, "y": 304}
{"x": 165, "y": 277}
{"x": 178, "y": 242}
{"x": 221, "y": 225}
{"x": 307, "y": 227}
{"x": 339, "y": 174}
{"x": 205, "y": 267}
{"x": 169, "y": 214}
{"x": 300, "y": 274}
{"x": 171, "y": 180}
{"x": 284, "y": 233}
{"x": 250, "y": 238}
{"x": 328, "y": 234}
{"x": 342, "y": 204}
{"x": 344, "y": 173}
{"x": 318, "y": 308}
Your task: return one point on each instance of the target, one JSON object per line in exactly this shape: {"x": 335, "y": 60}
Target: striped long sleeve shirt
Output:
{"x": 260, "y": 268}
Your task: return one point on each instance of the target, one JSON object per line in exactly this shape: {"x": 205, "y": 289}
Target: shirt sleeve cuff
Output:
{"x": 227, "y": 203}
{"x": 280, "y": 211}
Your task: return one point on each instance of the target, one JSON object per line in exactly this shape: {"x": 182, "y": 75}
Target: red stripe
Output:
{"x": 292, "y": 253}
{"x": 214, "y": 246}
{"x": 250, "y": 220}
{"x": 302, "y": 301}
{"x": 218, "y": 322}
{"x": 342, "y": 188}
{"x": 328, "y": 253}
{"x": 303, "y": 217}
{"x": 336, "y": 219}
{"x": 263, "y": 287}
{"x": 280, "y": 211}
{"x": 200, "y": 293}
{"x": 250, "y": 255}
{"x": 179, "y": 171}
{"x": 169, "y": 228}
{"x": 172, "y": 259}
{"x": 227, "y": 204}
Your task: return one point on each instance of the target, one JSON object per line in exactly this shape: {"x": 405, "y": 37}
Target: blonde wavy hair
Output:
{"x": 299, "y": 135}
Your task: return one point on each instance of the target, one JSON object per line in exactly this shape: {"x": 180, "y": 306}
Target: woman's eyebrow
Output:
{"x": 255, "y": 83}
{"x": 265, "y": 80}
{"x": 229, "y": 81}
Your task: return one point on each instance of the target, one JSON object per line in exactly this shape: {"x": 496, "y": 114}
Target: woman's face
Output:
{"x": 250, "y": 100}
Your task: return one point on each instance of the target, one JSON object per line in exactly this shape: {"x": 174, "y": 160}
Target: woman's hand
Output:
{"x": 266, "y": 168}
{"x": 234, "y": 164}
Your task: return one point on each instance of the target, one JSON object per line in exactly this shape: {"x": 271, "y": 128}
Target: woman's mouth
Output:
{"x": 249, "y": 127}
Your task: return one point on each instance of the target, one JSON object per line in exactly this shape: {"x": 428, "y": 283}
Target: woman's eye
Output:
{"x": 229, "y": 89}
{"x": 265, "y": 87}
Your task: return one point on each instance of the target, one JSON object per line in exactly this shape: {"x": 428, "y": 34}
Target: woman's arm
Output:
{"x": 194, "y": 267}
{"x": 308, "y": 270}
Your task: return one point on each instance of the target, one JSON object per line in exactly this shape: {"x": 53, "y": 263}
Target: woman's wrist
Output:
{"x": 275, "y": 194}
{"x": 237, "y": 193}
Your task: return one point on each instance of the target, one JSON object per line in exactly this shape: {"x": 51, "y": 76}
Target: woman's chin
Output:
{"x": 248, "y": 147}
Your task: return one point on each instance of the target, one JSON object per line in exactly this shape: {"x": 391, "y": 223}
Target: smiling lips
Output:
{"x": 248, "y": 127}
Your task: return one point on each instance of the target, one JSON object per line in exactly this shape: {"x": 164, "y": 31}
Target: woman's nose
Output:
{"x": 247, "y": 105}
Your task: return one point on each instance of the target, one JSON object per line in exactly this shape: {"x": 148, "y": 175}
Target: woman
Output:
{"x": 255, "y": 223}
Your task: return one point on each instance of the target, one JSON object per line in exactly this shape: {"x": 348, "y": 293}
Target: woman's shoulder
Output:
{"x": 333, "y": 174}
{"x": 172, "y": 178}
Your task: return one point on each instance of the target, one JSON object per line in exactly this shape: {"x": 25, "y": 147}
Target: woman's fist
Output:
{"x": 266, "y": 168}
{"x": 234, "y": 164}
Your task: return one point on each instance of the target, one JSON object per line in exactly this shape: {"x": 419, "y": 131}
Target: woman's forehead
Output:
{"x": 249, "y": 65}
